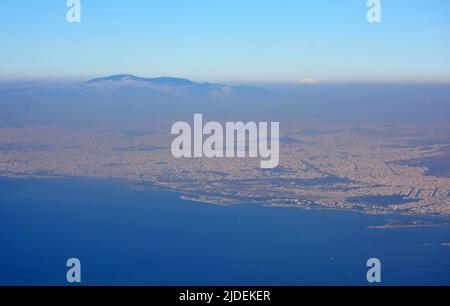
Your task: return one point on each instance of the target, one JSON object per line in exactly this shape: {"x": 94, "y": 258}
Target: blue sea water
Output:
{"x": 151, "y": 237}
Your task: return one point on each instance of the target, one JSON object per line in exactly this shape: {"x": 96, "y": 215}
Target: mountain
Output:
{"x": 126, "y": 97}
{"x": 177, "y": 86}
{"x": 127, "y": 79}
{"x": 129, "y": 98}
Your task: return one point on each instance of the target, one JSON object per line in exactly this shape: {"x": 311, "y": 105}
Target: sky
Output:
{"x": 227, "y": 40}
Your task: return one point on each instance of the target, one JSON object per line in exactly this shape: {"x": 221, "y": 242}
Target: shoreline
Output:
{"x": 142, "y": 185}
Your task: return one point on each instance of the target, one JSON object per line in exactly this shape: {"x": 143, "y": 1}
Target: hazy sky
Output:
{"x": 227, "y": 40}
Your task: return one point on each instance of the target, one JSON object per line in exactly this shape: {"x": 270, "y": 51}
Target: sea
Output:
{"x": 148, "y": 236}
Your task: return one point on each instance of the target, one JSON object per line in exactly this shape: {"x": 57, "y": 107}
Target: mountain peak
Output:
{"x": 168, "y": 81}
{"x": 114, "y": 78}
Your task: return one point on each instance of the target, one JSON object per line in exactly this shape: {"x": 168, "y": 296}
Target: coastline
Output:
{"x": 189, "y": 196}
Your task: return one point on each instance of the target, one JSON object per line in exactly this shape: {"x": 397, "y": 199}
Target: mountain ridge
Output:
{"x": 168, "y": 81}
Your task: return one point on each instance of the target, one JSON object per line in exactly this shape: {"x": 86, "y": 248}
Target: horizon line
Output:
{"x": 293, "y": 82}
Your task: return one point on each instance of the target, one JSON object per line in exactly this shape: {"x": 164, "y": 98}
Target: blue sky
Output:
{"x": 227, "y": 40}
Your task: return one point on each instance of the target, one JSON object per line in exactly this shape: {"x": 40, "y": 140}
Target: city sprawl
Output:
{"x": 371, "y": 168}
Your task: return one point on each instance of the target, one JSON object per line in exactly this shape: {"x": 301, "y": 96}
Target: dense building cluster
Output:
{"x": 366, "y": 168}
